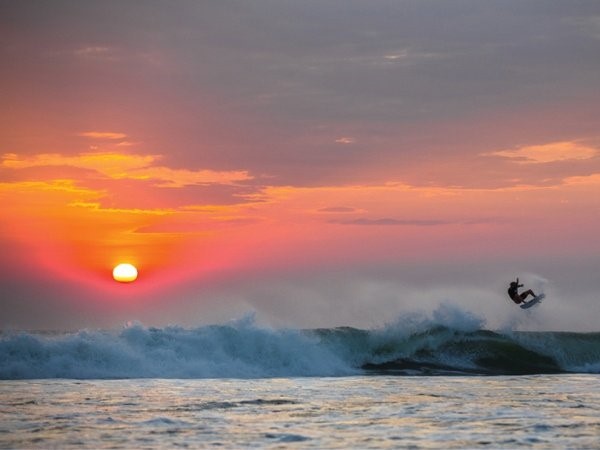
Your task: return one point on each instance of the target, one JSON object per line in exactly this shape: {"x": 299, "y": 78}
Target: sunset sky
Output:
{"x": 319, "y": 163}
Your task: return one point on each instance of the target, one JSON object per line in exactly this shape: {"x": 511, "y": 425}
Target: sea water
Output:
{"x": 538, "y": 411}
{"x": 437, "y": 382}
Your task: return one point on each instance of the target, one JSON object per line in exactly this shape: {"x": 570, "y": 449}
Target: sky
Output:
{"x": 315, "y": 163}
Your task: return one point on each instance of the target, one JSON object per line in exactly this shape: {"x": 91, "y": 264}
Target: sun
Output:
{"x": 125, "y": 273}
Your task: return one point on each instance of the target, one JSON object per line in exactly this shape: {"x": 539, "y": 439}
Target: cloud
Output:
{"x": 103, "y": 135}
{"x": 127, "y": 166}
{"x": 592, "y": 180}
{"x": 396, "y": 55}
{"x": 345, "y": 140}
{"x": 58, "y": 185}
{"x": 547, "y": 153}
{"x": 589, "y": 25}
{"x": 114, "y": 165}
{"x": 96, "y": 206}
{"x": 337, "y": 209}
{"x": 175, "y": 178}
{"x": 93, "y": 52}
{"x": 390, "y": 221}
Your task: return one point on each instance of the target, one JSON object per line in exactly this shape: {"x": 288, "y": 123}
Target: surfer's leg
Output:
{"x": 527, "y": 293}
{"x": 524, "y": 295}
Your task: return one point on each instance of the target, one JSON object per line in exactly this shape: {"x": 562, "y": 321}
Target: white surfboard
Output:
{"x": 533, "y": 302}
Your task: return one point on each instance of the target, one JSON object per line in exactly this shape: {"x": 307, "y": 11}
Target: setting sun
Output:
{"x": 125, "y": 273}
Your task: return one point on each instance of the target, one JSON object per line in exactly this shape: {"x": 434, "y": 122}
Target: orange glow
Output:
{"x": 125, "y": 273}
{"x": 555, "y": 151}
{"x": 76, "y": 216}
{"x": 118, "y": 165}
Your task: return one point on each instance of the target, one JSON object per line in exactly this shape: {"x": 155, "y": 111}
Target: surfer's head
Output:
{"x": 513, "y": 284}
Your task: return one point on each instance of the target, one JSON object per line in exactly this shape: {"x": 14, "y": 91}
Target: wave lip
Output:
{"x": 481, "y": 352}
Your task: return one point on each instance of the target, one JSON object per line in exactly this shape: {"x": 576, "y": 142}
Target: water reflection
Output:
{"x": 377, "y": 412}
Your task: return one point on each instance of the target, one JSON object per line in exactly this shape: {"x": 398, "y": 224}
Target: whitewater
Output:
{"x": 422, "y": 381}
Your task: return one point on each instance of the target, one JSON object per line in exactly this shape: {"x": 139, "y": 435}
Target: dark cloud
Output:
{"x": 391, "y": 221}
{"x": 143, "y": 194}
{"x": 387, "y": 221}
{"x": 337, "y": 209}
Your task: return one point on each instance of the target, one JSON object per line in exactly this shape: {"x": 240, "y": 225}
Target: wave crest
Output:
{"x": 450, "y": 341}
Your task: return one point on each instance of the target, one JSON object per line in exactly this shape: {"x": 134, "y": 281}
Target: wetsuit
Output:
{"x": 513, "y": 293}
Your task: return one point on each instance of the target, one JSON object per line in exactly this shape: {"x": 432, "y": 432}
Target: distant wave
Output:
{"x": 411, "y": 346}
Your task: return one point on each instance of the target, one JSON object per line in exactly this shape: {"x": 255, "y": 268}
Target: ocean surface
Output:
{"x": 442, "y": 382}
{"x": 534, "y": 411}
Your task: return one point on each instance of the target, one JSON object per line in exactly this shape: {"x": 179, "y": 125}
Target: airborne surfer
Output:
{"x": 513, "y": 292}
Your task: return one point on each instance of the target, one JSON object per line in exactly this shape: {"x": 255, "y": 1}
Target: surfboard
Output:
{"x": 533, "y": 302}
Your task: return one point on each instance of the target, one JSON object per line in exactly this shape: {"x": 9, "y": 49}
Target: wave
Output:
{"x": 454, "y": 343}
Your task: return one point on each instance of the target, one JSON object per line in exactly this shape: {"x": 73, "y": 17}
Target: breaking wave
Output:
{"x": 450, "y": 342}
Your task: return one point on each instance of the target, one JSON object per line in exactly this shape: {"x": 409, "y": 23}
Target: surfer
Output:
{"x": 513, "y": 292}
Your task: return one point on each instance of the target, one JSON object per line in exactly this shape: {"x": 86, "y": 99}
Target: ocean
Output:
{"x": 412, "y": 384}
